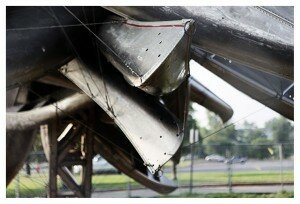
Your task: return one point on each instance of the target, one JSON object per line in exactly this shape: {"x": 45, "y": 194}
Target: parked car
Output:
{"x": 186, "y": 157}
{"x": 237, "y": 159}
{"x": 215, "y": 158}
{"x": 100, "y": 166}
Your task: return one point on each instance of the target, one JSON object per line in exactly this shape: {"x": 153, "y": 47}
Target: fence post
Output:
{"x": 280, "y": 157}
{"x": 229, "y": 176}
{"x": 17, "y": 189}
{"x": 193, "y": 139}
{"x": 129, "y": 188}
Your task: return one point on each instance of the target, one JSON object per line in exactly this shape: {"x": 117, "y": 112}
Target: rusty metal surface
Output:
{"x": 153, "y": 56}
{"x": 152, "y": 130}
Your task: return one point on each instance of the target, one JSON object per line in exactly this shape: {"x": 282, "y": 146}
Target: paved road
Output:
{"x": 205, "y": 166}
{"x": 146, "y": 193}
{"x": 250, "y": 165}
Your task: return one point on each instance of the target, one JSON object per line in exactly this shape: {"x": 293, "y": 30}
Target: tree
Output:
{"x": 192, "y": 123}
{"x": 221, "y": 139}
{"x": 249, "y": 133}
{"x": 251, "y": 138}
{"x": 282, "y": 132}
{"x": 259, "y": 149}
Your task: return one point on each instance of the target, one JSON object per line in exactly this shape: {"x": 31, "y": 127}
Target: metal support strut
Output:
{"x": 74, "y": 146}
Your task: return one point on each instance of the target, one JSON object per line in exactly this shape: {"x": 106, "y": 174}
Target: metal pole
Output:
{"x": 52, "y": 188}
{"x": 192, "y": 160}
{"x": 17, "y": 189}
{"x": 281, "y": 173}
{"x": 229, "y": 177}
{"x": 128, "y": 188}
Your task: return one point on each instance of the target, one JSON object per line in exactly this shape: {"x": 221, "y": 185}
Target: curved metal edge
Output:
{"x": 204, "y": 97}
{"x": 152, "y": 129}
{"x": 136, "y": 61}
{"x": 232, "y": 38}
{"x": 18, "y": 146}
{"x": 123, "y": 163}
{"x": 33, "y": 118}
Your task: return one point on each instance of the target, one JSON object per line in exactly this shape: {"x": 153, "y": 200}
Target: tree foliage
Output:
{"x": 249, "y": 140}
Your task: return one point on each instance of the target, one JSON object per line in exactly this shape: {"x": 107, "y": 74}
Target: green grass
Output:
{"x": 32, "y": 186}
{"x": 262, "y": 177}
{"x": 35, "y": 185}
{"x": 234, "y": 195}
{"x": 241, "y": 177}
{"x": 120, "y": 181}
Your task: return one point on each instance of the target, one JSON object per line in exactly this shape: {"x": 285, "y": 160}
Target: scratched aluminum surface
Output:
{"x": 151, "y": 129}
{"x": 151, "y": 55}
{"x": 250, "y": 35}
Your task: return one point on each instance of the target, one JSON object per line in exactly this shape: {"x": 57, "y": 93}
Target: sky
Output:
{"x": 241, "y": 104}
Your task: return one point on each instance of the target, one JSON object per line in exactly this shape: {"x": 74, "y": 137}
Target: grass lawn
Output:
{"x": 235, "y": 195}
{"x": 35, "y": 185}
{"x": 237, "y": 178}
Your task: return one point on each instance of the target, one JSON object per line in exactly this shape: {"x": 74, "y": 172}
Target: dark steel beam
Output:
{"x": 33, "y": 118}
{"x": 53, "y": 165}
{"x": 69, "y": 180}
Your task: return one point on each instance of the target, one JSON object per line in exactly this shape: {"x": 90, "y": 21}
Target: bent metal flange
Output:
{"x": 152, "y": 130}
{"x": 153, "y": 56}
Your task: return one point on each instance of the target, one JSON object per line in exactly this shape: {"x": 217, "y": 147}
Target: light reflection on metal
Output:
{"x": 65, "y": 132}
{"x": 241, "y": 33}
{"x": 153, "y": 56}
{"x": 261, "y": 86}
{"x": 151, "y": 129}
{"x": 204, "y": 97}
{"x": 33, "y": 118}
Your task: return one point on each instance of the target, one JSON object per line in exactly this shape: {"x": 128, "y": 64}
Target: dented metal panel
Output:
{"x": 153, "y": 56}
{"x": 151, "y": 129}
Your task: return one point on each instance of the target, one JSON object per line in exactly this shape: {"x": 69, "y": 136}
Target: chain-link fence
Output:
{"x": 201, "y": 167}
{"x": 235, "y": 165}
